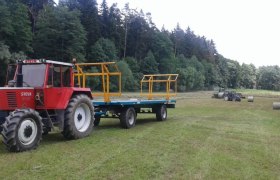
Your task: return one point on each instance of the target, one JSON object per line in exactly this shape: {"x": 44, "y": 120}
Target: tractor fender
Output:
{"x": 85, "y": 91}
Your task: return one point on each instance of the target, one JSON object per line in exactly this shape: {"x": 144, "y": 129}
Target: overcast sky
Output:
{"x": 244, "y": 30}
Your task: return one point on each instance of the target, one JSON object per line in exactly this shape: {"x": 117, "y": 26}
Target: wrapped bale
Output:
{"x": 250, "y": 98}
{"x": 276, "y": 105}
{"x": 220, "y": 94}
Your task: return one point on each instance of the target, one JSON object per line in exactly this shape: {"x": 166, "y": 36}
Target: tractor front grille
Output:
{"x": 12, "y": 99}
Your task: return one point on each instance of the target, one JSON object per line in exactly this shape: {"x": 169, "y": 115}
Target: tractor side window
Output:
{"x": 59, "y": 76}
{"x": 66, "y": 76}
{"x": 50, "y": 75}
{"x": 56, "y": 76}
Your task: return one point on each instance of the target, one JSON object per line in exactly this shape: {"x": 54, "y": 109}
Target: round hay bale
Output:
{"x": 220, "y": 94}
{"x": 276, "y": 105}
{"x": 250, "y": 98}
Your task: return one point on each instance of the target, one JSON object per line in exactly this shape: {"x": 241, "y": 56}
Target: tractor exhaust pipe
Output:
{"x": 19, "y": 75}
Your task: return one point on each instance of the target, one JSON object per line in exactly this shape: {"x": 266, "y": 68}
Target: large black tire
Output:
{"x": 79, "y": 117}
{"x": 161, "y": 113}
{"x": 128, "y": 118}
{"x": 22, "y": 130}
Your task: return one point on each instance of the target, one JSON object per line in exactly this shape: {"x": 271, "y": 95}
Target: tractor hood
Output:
{"x": 12, "y": 98}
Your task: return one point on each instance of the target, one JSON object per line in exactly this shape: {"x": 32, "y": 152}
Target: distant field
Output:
{"x": 259, "y": 92}
{"x": 203, "y": 138}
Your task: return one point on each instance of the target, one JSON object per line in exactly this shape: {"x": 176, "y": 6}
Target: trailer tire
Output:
{"x": 22, "y": 130}
{"x": 128, "y": 118}
{"x": 161, "y": 113}
{"x": 79, "y": 117}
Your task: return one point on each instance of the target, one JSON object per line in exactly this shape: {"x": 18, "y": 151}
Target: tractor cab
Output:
{"x": 39, "y": 73}
{"x": 29, "y": 82}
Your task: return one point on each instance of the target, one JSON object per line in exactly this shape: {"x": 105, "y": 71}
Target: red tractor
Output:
{"x": 40, "y": 94}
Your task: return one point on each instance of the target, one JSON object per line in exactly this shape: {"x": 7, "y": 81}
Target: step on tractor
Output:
{"x": 42, "y": 94}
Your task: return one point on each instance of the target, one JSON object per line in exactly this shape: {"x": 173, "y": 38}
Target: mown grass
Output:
{"x": 203, "y": 138}
{"x": 255, "y": 92}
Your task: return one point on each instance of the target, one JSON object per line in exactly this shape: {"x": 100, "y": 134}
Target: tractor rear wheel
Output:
{"x": 128, "y": 118}
{"x": 79, "y": 117}
{"x": 161, "y": 113}
{"x": 22, "y": 130}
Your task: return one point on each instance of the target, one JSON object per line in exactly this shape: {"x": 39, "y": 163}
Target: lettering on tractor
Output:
{"x": 41, "y": 94}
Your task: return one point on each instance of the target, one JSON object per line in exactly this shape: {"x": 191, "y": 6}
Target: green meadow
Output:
{"x": 203, "y": 138}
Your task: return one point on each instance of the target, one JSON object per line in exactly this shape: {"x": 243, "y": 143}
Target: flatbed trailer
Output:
{"x": 127, "y": 109}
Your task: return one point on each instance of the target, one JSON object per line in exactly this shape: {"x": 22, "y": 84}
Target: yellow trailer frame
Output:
{"x": 150, "y": 79}
{"x": 109, "y": 69}
{"x": 105, "y": 74}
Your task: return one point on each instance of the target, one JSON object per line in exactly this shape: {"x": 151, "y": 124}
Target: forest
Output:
{"x": 92, "y": 32}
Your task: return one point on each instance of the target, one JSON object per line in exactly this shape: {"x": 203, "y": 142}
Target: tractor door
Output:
{"x": 58, "y": 89}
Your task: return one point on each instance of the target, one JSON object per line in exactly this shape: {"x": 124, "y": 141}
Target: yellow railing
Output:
{"x": 169, "y": 80}
{"x": 81, "y": 75}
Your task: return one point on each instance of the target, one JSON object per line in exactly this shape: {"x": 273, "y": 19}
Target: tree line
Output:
{"x": 89, "y": 32}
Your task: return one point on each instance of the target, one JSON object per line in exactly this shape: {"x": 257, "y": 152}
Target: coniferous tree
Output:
{"x": 104, "y": 19}
{"x": 89, "y": 19}
{"x": 149, "y": 65}
{"x": 6, "y": 29}
{"x": 103, "y": 50}
{"x": 20, "y": 37}
{"x": 59, "y": 35}
{"x": 34, "y": 7}
{"x": 128, "y": 83}
{"x": 248, "y": 76}
{"x": 116, "y": 29}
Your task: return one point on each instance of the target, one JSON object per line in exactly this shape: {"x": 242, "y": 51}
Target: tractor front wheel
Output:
{"x": 22, "y": 130}
{"x": 79, "y": 117}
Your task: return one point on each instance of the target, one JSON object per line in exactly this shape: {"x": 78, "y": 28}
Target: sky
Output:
{"x": 247, "y": 31}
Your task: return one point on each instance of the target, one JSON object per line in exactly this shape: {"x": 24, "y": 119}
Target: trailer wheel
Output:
{"x": 79, "y": 117}
{"x": 161, "y": 113}
{"x": 96, "y": 121}
{"x": 22, "y": 130}
{"x": 128, "y": 118}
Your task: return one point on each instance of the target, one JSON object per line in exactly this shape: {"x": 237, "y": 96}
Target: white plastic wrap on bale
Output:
{"x": 276, "y": 105}
{"x": 220, "y": 94}
{"x": 250, "y": 98}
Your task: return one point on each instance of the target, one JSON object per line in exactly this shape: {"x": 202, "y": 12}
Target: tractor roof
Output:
{"x": 44, "y": 61}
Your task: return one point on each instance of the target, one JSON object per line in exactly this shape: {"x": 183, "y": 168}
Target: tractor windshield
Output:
{"x": 33, "y": 75}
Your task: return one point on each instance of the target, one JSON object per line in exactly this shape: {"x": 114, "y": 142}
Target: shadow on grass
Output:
{"x": 116, "y": 123}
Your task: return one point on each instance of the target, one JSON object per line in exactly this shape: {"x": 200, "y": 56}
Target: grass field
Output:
{"x": 203, "y": 138}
